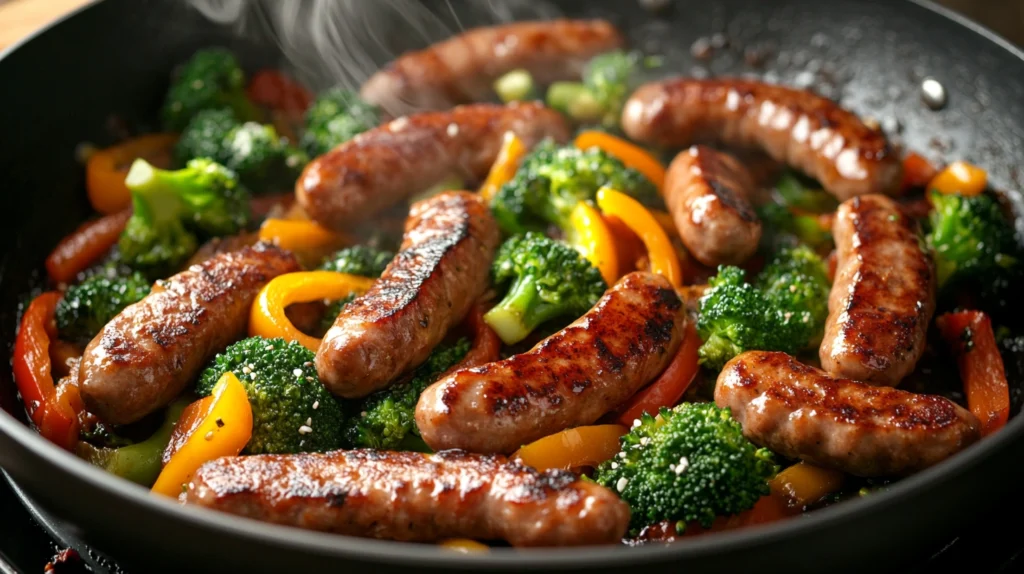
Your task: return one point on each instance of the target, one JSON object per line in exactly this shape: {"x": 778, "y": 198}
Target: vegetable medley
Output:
{"x": 574, "y": 219}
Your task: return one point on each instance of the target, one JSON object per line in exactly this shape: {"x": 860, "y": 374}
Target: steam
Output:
{"x": 342, "y": 42}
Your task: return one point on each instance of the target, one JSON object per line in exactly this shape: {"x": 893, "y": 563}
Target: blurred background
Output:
{"x": 19, "y": 18}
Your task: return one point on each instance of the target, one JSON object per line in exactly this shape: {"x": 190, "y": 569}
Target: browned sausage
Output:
{"x": 804, "y": 130}
{"x": 409, "y": 496}
{"x": 441, "y": 269}
{"x": 463, "y": 69}
{"x": 146, "y": 355}
{"x": 386, "y": 165}
{"x": 709, "y": 195}
{"x": 569, "y": 379}
{"x": 883, "y": 295}
{"x": 801, "y": 412}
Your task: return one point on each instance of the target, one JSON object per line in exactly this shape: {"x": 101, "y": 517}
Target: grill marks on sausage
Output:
{"x": 802, "y": 129}
{"x": 566, "y": 380}
{"x": 413, "y": 497}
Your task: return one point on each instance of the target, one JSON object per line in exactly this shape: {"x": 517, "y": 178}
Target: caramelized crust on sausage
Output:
{"x": 709, "y": 194}
{"x": 440, "y": 270}
{"x": 801, "y": 412}
{"x": 796, "y": 127}
{"x": 569, "y": 379}
{"x": 386, "y": 165}
{"x": 146, "y": 355}
{"x": 883, "y": 295}
{"x": 413, "y": 497}
{"x": 463, "y": 69}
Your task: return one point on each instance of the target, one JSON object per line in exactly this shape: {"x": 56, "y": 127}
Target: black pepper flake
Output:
{"x": 220, "y": 423}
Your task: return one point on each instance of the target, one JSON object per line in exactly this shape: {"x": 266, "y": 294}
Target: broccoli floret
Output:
{"x": 611, "y": 77}
{"x": 971, "y": 239}
{"x": 784, "y": 311}
{"x": 291, "y": 409}
{"x": 691, "y": 463}
{"x": 783, "y": 228}
{"x": 88, "y": 306}
{"x": 548, "y": 280}
{"x": 385, "y": 419}
{"x": 553, "y": 179}
{"x": 796, "y": 191}
{"x": 336, "y": 116}
{"x": 211, "y": 79}
{"x": 361, "y": 260}
{"x": 174, "y": 210}
{"x": 204, "y": 135}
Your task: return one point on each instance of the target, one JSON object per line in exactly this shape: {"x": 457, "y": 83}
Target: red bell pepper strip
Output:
{"x": 486, "y": 344}
{"x": 273, "y": 89}
{"x": 917, "y": 171}
{"x": 85, "y": 246}
{"x": 969, "y": 335}
{"x": 669, "y": 387}
{"x": 52, "y": 414}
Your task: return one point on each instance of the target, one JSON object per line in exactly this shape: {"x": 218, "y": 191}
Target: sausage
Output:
{"x": 386, "y": 165}
{"x": 801, "y": 412}
{"x": 146, "y": 355}
{"x": 883, "y": 295}
{"x": 569, "y": 379}
{"x": 709, "y": 195}
{"x": 409, "y": 496}
{"x": 463, "y": 69}
{"x": 442, "y": 267}
{"x": 804, "y": 130}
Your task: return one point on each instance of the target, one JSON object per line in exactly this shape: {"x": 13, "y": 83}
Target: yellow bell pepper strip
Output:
{"x": 464, "y": 545}
{"x": 666, "y": 222}
{"x": 52, "y": 413}
{"x": 660, "y": 253}
{"x": 106, "y": 169}
{"x": 267, "y": 317}
{"x": 309, "y": 241}
{"x": 960, "y": 177}
{"x": 573, "y": 448}
{"x": 224, "y": 430}
{"x": 594, "y": 241}
{"x": 505, "y": 166}
{"x": 630, "y": 154}
{"x": 803, "y": 484}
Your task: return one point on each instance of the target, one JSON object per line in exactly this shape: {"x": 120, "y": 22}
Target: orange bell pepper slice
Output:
{"x": 52, "y": 413}
{"x": 224, "y": 429}
{"x": 464, "y": 545}
{"x": 308, "y": 240}
{"x": 106, "y": 169}
{"x": 917, "y": 171}
{"x": 594, "y": 241}
{"x": 267, "y": 317}
{"x": 969, "y": 335}
{"x": 660, "y": 253}
{"x": 505, "y": 165}
{"x": 803, "y": 484}
{"x": 630, "y": 154}
{"x": 86, "y": 245}
{"x": 573, "y": 448}
{"x": 960, "y": 177}
{"x": 670, "y": 386}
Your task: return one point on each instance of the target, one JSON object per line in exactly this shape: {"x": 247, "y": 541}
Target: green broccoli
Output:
{"x": 796, "y": 191}
{"x": 360, "y": 260}
{"x": 608, "y": 79}
{"x": 385, "y": 419}
{"x": 548, "y": 280}
{"x": 204, "y": 135}
{"x": 691, "y": 463}
{"x": 783, "y": 228}
{"x": 291, "y": 409}
{"x": 336, "y": 116}
{"x": 552, "y": 179}
{"x": 174, "y": 210}
{"x": 971, "y": 238}
{"x": 211, "y": 79}
{"x": 784, "y": 311}
{"x": 91, "y": 304}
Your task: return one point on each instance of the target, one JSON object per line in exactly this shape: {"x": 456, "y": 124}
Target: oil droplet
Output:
{"x": 933, "y": 93}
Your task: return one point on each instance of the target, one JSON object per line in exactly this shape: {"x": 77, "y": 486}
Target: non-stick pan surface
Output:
{"x": 107, "y": 66}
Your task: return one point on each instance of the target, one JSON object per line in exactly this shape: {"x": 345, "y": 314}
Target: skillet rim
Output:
{"x": 413, "y": 554}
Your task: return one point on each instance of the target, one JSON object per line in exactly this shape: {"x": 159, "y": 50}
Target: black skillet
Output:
{"x": 65, "y": 84}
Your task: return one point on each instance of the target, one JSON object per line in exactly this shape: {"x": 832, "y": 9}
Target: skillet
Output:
{"x": 62, "y": 86}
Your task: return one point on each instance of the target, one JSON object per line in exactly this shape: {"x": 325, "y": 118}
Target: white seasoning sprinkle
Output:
{"x": 636, "y": 423}
{"x": 622, "y": 454}
{"x": 209, "y": 435}
{"x": 270, "y": 347}
{"x": 310, "y": 379}
{"x": 252, "y": 376}
{"x": 307, "y": 364}
{"x": 684, "y": 463}
{"x": 621, "y": 484}
{"x": 316, "y": 405}
{"x": 362, "y": 414}
{"x": 305, "y": 429}
{"x": 246, "y": 370}
{"x": 453, "y": 129}
{"x": 309, "y": 421}
{"x": 645, "y": 441}
{"x": 614, "y": 465}
{"x": 297, "y": 372}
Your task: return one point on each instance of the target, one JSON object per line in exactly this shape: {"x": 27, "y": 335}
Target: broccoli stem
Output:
{"x": 515, "y": 86}
{"x": 519, "y": 312}
{"x": 575, "y": 100}
{"x": 161, "y": 200}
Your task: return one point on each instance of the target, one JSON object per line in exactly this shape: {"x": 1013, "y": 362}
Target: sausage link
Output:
{"x": 883, "y": 295}
{"x": 145, "y": 356}
{"x": 709, "y": 195}
{"x": 796, "y": 127}
{"x": 386, "y": 165}
{"x": 441, "y": 269}
{"x": 569, "y": 379}
{"x": 463, "y": 69}
{"x": 801, "y": 412}
{"x": 409, "y": 496}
